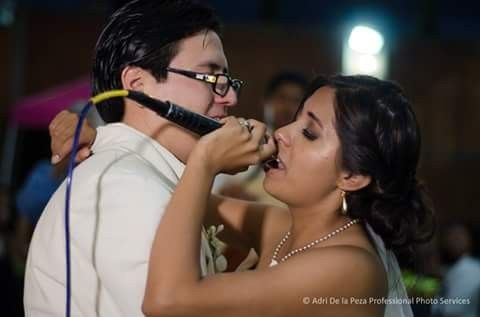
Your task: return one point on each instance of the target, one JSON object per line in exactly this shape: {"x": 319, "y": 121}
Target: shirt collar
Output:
{"x": 121, "y": 135}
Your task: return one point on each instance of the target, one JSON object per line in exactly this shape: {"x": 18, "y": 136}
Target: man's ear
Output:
{"x": 351, "y": 182}
{"x": 133, "y": 78}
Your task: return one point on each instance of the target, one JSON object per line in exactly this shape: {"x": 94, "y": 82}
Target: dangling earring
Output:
{"x": 344, "y": 204}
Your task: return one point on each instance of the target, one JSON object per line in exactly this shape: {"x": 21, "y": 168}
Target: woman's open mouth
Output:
{"x": 273, "y": 163}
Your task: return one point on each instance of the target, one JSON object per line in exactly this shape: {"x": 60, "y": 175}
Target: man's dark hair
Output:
{"x": 146, "y": 34}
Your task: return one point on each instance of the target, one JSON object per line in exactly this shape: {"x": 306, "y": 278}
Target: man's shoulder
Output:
{"x": 125, "y": 149}
{"x": 125, "y": 166}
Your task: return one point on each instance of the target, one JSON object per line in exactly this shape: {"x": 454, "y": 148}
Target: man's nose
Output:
{"x": 230, "y": 99}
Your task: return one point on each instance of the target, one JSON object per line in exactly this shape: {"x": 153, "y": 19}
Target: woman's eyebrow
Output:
{"x": 315, "y": 118}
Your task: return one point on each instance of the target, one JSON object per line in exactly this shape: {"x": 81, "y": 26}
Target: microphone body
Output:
{"x": 187, "y": 119}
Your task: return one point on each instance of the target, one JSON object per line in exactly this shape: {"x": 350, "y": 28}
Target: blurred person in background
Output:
{"x": 35, "y": 192}
{"x": 460, "y": 245}
{"x": 31, "y": 198}
{"x": 283, "y": 95}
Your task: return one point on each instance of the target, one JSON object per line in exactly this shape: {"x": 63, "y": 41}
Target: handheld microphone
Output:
{"x": 187, "y": 119}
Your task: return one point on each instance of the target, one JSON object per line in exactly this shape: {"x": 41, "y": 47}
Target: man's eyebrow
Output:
{"x": 214, "y": 67}
{"x": 315, "y": 118}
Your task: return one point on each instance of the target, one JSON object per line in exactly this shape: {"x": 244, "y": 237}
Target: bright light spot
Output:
{"x": 368, "y": 64}
{"x": 365, "y": 40}
{"x": 354, "y": 63}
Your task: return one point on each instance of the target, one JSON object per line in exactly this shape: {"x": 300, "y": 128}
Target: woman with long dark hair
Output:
{"x": 346, "y": 167}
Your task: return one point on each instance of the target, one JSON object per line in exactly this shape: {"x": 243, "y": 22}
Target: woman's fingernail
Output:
{"x": 55, "y": 159}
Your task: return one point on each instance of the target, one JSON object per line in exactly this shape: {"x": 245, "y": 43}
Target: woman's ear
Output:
{"x": 351, "y": 182}
{"x": 133, "y": 78}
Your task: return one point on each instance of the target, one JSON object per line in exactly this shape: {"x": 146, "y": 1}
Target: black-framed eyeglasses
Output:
{"x": 221, "y": 83}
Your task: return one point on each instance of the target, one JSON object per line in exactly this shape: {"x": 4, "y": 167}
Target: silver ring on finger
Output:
{"x": 248, "y": 125}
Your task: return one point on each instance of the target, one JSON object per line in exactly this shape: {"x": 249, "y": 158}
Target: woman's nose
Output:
{"x": 281, "y": 136}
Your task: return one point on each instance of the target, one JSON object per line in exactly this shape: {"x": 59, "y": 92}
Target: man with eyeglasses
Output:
{"x": 220, "y": 82}
{"x": 170, "y": 50}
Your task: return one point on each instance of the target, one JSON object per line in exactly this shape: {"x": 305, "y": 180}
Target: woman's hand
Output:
{"x": 232, "y": 148}
{"x": 62, "y": 132}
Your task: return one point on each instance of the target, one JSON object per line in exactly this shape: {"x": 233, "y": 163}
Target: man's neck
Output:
{"x": 167, "y": 135}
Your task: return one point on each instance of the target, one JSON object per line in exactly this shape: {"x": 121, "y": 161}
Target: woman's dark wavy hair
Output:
{"x": 144, "y": 33}
{"x": 380, "y": 137}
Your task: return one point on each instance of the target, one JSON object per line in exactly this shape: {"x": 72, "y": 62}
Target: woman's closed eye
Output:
{"x": 309, "y": 134}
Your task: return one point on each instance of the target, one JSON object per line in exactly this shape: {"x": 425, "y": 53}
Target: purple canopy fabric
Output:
{"x": 38, "y": 110}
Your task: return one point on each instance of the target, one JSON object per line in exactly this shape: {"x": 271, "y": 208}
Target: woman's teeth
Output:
{"x": 269, "y": 164}
{"x": 275, "y": 163}
{"x": 280, "y": 164}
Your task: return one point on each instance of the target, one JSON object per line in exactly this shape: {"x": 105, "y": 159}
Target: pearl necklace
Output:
{"x": 274, "y": 260}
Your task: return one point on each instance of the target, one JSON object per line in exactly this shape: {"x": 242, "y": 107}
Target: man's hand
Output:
{"x": 62, "y": 132}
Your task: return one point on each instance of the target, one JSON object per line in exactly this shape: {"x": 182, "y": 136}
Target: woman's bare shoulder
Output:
{"x": 354, "y": 270}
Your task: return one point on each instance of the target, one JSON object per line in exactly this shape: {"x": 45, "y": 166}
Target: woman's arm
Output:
{"x": 228, "y": 149}
{"x": 247, "y": 224}
{"x": 296, "y": 287}
{"x": 305, "y": 285}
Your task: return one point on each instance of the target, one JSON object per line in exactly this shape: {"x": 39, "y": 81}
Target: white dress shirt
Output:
{"x": 118, "y": 198}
